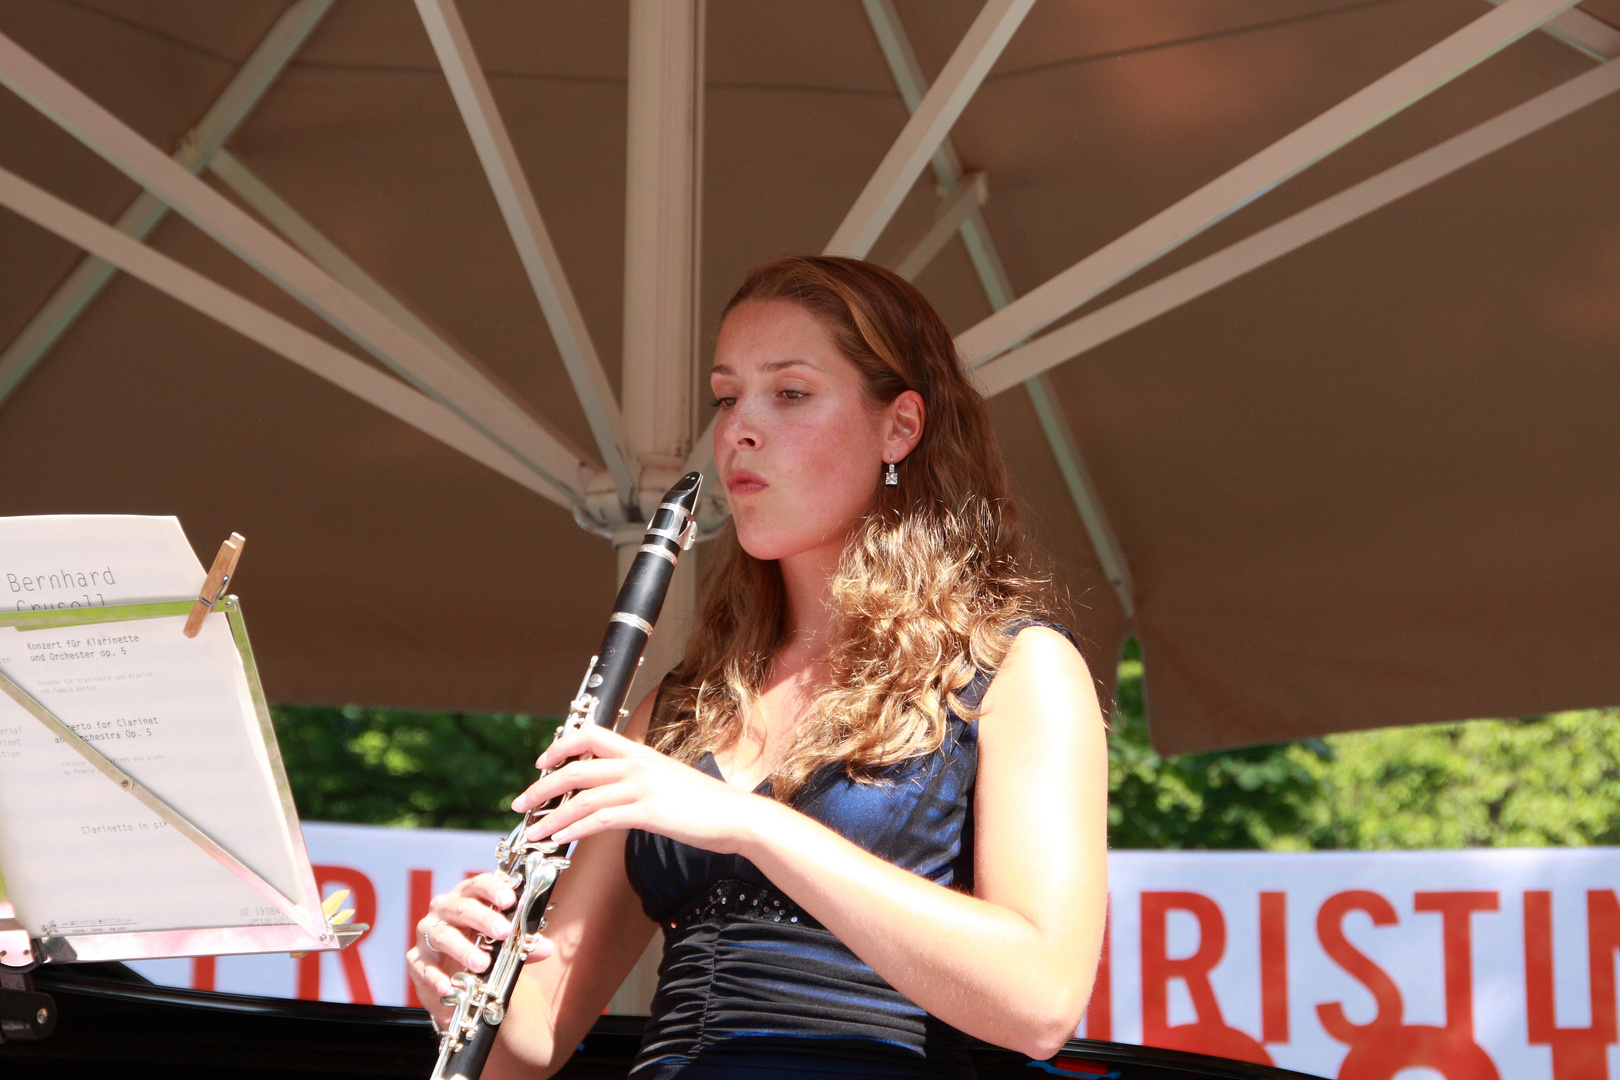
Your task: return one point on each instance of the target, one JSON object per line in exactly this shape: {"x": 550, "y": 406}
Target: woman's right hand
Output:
{"x": 445, "y": 937}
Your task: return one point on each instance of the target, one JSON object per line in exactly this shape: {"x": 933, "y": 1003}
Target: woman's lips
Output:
{"x": 743, "y": 482}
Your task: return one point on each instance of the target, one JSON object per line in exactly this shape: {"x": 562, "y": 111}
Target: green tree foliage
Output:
{"x": 1546, "y": 780}
{"x": 441, "y": 770}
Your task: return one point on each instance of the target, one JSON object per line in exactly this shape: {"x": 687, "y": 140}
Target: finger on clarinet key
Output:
{"x": 534, "y": 800}
{"x": 491, "y": 887}
{"x": 461, "y": 952}
{"x": 556, "y": 821}
{"x": 478, "y": 918}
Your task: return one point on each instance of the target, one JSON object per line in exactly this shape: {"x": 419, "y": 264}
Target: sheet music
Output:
{"x": 79, "y": 854}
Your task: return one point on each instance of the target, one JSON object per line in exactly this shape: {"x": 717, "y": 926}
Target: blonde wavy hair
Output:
{"x": 931, "y": 582}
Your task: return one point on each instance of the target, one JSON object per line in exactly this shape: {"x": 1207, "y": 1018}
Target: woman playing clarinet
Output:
{"x": 867, "y": 811}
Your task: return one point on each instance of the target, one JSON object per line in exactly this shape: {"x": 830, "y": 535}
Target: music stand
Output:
{"x": 247, "y": 885}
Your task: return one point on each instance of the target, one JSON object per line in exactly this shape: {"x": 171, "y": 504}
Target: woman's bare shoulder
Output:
{"x": 1041, "y": 650}
{"x": 1043, "y": 678}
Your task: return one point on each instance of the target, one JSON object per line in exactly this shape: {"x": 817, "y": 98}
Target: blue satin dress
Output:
{"x": 751, "y": 986}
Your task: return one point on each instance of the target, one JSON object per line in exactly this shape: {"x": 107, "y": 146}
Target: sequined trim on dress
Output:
{"x": 735, "y": 899}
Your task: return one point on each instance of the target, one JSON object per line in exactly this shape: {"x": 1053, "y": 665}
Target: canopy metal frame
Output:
{"x": 447, "y": 394}
{"x": 497, "y": 419}
{"x": 82, "y": 286}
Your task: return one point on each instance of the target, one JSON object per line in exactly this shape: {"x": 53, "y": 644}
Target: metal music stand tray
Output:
{"x": 309, "y": 928}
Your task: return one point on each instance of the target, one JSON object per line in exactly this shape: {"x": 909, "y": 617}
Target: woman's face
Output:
{"x": 799, "y": 447}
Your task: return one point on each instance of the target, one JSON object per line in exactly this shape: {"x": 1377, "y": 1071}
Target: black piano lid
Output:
{"x": 114, "y": 1021}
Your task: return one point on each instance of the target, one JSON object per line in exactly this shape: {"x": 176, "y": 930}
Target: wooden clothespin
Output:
{"x": 219, "y": 577}
{"x": 334, "y": 917}
{"x": 330, "y": 907}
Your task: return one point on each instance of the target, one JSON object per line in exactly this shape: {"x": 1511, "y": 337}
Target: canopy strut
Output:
{"x": 284, "y": 265}
{"x": 75, "y": 294}
{"x": 1174, "y": 226}
{"x": 535, "y": 249}
{"x": 1292, "y": 233}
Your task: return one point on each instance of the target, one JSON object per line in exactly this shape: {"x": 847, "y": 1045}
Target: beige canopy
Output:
{"x": 1302, "y": 317}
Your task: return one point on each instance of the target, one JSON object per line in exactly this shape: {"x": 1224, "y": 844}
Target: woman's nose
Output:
{"x": 737, "y": 426}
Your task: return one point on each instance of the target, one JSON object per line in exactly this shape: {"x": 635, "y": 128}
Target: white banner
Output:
{"x": 1479, "y": 965}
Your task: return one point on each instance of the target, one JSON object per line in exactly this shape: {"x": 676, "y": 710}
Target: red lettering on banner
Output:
{"x": 1577, "y": 1053}
{"x": 1456, "y": 931}
{"x": 1273, "y": 967}
{"x": 1100, "y": 1009}
{"x": 1384, "y": 1045}
{"x": 364, "y": 898}
{"x": 202, "y": 972}
{"x": 1330, "y": 932}
{"x": 1209, "y": 1033}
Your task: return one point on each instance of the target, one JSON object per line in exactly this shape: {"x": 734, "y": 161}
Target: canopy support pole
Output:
{"x": 1174, "y": 226}
{"x": 85, "y": 283}
{"x": 931, "y": 122}
{"x": 283, "y": 264}
{"x": 663, "y": 195}
{"x": 535, "y": 249}
{"x": 981, "y": 247}
{"x": 662, "y": 236}
{"x": 269, "y": 330}
{"x": 1269, "y": 244}
{"x": 663, "y": 183}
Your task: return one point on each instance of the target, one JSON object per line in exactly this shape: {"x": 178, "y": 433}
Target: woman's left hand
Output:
{"x": 625, "y": 785}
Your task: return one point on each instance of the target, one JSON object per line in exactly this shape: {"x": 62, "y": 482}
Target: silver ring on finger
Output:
{"x": 426, "y": 934}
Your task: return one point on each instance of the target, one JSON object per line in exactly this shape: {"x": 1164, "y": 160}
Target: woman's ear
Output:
{"x": 907, "y": 415}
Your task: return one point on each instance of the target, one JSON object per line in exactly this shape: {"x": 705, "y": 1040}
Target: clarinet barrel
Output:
{"x": 531, "y": 867}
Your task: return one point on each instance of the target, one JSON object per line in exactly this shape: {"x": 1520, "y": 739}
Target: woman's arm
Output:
{"x": 594, "y": 935}
{"x": 1012, "y": 963}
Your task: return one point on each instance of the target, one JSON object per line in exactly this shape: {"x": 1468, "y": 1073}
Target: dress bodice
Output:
{"x": 744, "y": 970}
{"x": 915, "y": 817}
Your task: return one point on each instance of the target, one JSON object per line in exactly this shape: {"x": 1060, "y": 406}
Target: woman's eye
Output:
{"x": 794, "y": 395}
{"x": 723, "y": 402}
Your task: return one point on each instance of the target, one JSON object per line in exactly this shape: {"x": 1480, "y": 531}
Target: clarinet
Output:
{"x": 531, "y": 867}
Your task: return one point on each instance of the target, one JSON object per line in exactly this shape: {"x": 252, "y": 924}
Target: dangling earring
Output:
{"x": 891, "y": 478}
